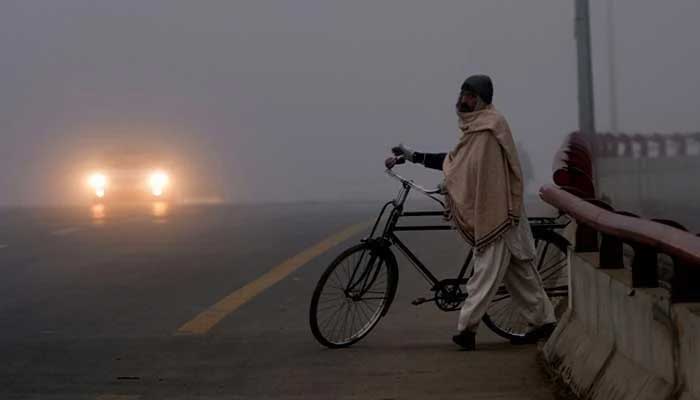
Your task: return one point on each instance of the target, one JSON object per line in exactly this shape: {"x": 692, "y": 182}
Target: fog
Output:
{"x": 265, "y": 101}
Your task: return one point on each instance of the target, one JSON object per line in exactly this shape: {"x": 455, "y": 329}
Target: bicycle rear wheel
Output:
{"x": 502, "y": 315}
{"x": 352, "y": 295}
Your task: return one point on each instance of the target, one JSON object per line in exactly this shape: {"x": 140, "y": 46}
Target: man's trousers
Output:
{"x": 495, "y": 264}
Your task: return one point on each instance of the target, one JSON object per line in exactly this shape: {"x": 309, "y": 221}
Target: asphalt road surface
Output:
{"x": 211, "y": 302}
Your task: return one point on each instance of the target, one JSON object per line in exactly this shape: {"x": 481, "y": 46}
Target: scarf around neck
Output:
{"x": 483, "y": 178}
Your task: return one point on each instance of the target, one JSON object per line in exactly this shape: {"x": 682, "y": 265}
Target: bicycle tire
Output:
{"x": 503, "y": 318}
{"x": 345, "y": 302}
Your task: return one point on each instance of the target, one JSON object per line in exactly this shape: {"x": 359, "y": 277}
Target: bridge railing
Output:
{"x": 653, "y": 145}
{"x": 601, "y": 228}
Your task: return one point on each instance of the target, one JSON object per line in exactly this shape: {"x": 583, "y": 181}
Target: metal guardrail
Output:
{"x": 653, "y": 145}
{"x": 603, "y": 229}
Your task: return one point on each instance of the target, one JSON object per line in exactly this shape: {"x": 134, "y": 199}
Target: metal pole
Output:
{"x": 586, "y": 116}
{"x": 612, "y": 72}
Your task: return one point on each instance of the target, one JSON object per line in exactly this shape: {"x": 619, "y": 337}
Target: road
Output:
{"x": 126, "y": 304}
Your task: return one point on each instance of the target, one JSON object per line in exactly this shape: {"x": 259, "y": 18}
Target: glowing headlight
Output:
{"x": 98, "y": 182}
{"x": 158, "y": 181}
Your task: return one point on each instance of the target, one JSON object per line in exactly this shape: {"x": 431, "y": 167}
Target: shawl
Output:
{"x": 483, "y": 178}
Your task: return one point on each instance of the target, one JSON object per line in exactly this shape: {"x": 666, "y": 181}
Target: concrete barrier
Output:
{"x": 616, "y": 342}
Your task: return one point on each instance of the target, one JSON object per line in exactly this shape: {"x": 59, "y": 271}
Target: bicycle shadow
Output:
{"x": 445, "y": 345}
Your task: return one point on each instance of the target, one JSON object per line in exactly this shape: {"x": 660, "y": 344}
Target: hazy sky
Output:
{"x": 301, "y": 99}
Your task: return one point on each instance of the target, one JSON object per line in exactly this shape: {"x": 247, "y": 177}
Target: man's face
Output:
{"x": 466, "y": 102}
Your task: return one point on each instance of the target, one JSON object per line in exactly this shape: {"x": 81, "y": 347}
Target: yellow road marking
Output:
{"x": 208, "y": 318}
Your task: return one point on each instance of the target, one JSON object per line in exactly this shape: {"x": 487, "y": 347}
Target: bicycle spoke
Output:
{"x": 362, "y": 311}
{"x": 349, "y": 302}
{"x": 352, "y": 330}
{"x": 499, "y": 305}
{"x": 500, "y": 298}
{"x": 337, "y": 279}
{"x": 539, "y": 265}
{"x": 371, "y": 311}
{"x": 333, "y": 300}
{"x": 344, "y": 319}
{"x": 509, "y": 317}
{"x": 559, "y": 269}
{"x": 333, "y": 293}
{"x": 347, "y": 269}
{"x": 557, "y": 264}
{"x": 352, "y": 321}
{"x": 328, "y": 307}
{"x": 335, "y": 314}
{"x": 327, "y": 322}
{"x": 375, "y": 292}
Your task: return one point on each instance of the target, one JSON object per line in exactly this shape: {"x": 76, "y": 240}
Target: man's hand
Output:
{"x": 403, "y": 151}
{"x": 390, "y": 162}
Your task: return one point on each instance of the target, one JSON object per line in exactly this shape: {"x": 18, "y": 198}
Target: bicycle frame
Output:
{"x": 397, "y": 212}
{"x": 391, "y": 227}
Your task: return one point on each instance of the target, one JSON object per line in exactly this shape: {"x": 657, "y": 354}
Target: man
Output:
{"x": 484, "y": 190}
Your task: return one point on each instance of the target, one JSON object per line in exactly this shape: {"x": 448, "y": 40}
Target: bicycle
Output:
{"x": 360, "y": 284}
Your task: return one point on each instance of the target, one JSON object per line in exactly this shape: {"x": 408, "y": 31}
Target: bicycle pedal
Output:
{"x": 420, "y": 301}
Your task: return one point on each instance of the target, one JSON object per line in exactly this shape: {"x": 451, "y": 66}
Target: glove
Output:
{"x": 404, "y": 151}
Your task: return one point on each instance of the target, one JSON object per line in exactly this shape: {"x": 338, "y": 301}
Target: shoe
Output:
{"x": 540, "y": 333}
{"x": 466, "y": 340}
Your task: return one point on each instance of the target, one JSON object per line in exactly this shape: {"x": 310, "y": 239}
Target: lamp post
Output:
{"x": 586, "y": 111}
{"x": 612, "y": 73}
{"x": 586, "y": 117}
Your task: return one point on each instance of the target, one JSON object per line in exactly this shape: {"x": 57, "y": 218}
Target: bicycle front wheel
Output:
{"x": 503, "y": 317}
{"x": 352, "y": 295}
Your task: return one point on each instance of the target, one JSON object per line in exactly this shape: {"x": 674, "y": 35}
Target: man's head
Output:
{"x": 475, "y": 89}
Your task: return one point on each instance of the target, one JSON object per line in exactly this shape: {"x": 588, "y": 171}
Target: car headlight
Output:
{"x": 98, "y": 182}
{"x": 158, "y": 181}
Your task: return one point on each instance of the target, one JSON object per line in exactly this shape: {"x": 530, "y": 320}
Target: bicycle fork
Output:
{"x": 364, "y": 281}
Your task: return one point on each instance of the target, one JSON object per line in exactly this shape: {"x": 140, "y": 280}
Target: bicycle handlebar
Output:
{"x": 411, "y": 183}
{"x": 404, "y": 181}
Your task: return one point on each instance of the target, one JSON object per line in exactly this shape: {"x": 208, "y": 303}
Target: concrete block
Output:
{"x": 641, "y": 328}
{"x": 561, "y": 324}
{"x": 661, "y": 341}
{"x": 617, "y": 342}
{"x": 604, "y": 319}
{"x": 687, "y": 319}
{"x": 591, "y": 297}
{"x": 585, "y": 294}
{"x": 623, "y": 379}
{"x": 577, "y": 356}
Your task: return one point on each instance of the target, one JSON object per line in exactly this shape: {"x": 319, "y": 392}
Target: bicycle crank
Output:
{"x": 421, "y": 300}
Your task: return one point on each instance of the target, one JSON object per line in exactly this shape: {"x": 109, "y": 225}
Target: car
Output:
{"x": 131, "y": 177}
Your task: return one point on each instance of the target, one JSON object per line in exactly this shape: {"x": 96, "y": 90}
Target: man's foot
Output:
{"x": 540, "y": 333}
{"x": 465, "y": 339}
